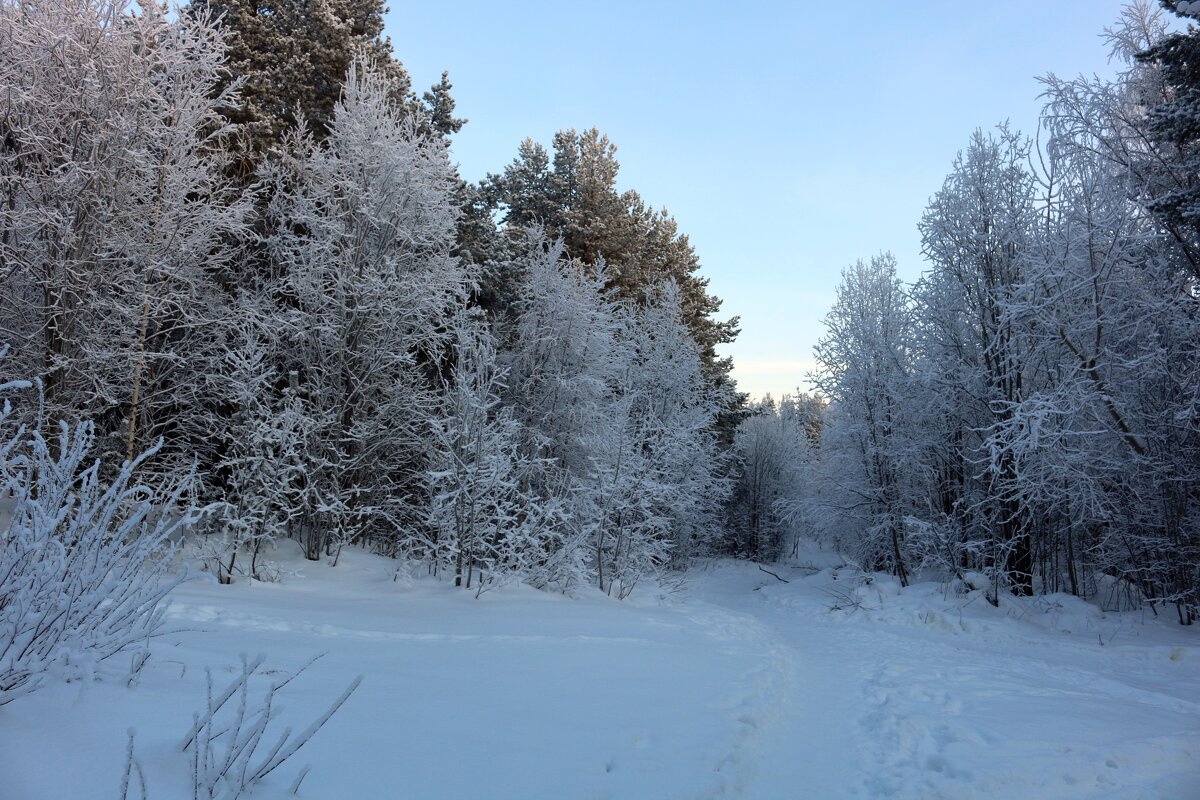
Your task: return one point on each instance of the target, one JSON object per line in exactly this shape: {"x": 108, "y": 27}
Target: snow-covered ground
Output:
{"x": 735, "y": 685}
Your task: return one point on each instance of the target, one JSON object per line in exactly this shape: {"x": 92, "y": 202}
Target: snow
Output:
{"x": 735, "y": 685}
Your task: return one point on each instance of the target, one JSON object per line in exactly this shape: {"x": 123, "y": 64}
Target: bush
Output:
{"x": 83, "y": 562}
{"x": 226, "y": 757}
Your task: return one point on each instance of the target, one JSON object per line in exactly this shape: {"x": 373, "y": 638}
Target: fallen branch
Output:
{"x": 773, "y": 575}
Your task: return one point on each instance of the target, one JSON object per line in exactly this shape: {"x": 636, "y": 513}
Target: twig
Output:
{"x": 773, "y": 575}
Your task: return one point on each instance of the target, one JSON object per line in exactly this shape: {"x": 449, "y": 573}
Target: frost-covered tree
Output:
{"x": 864, "y": 365}
{"x": 1110, "y": 301}
{"x": 485, "y": 523}
{"x": 619, "y": 421}
{"x": 659, "y": 476}
{"x": 573, "y": 195}
{"x": 362, "y": 225}
{"x": 679, "y": 418}
{"x": 1050, "y": 434}
{"x": 562, "y": 363}
{"x": 115, "y": 225}
{"x": 976, "y": 236}
{"x": 1172, "y": 121}
{"x": 291, "y": 57}
{"x": 262, "y": 471}
{"x": 772, "y": 456}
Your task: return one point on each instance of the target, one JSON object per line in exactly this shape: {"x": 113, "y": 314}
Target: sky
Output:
{"x": 787, "y": 138}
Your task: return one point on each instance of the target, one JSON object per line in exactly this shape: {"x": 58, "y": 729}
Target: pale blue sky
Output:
{"x": 788, "y": 139}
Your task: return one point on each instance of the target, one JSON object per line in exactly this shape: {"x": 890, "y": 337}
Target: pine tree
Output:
{"x": 574, "y": 195}
{"x": 438, "y": 107}
{"x": 289, "y": 59}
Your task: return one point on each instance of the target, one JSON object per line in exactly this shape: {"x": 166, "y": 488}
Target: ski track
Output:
{"x": 208, "y": 614}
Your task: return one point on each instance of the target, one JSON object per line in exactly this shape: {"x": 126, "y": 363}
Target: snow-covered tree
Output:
{"x": 116, "y": 221}
{"x": 291, "y": 58}
{"x": 573, "y": 194}
{"x": 618, "y": 418}
{"x": 772, "y": 456}
{"x": 679, "y": 418}
{"x": 660, "y": 478}
{"x": 864, "y": 365}
{"x": 1049, "y": 432}
{"x": 484, "y": 521}
{"x": 562, "y": 363}
{"x": 1109, "y": 302}
{"x": 262, "y": 470}
{"x": 976, "y": 234}
{"x": 1166, "y": 79}
{"x": 362, "y": 226}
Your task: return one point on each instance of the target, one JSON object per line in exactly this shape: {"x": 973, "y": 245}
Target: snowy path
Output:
{"x": 901, "y": 699}
{"x": 740, "y": 686}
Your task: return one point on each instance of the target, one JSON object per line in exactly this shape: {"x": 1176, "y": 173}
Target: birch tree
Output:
{"x": 659, "y": 478}
{"x": 115, "y": 219}
{"x": 485, "y": 522}
{"x": 864, "y": 365}
{"x": 362, "y": 226}
{"x": 562, "y": 361}
{"x": 771, "y": 459}
{"x": 976, "y": 235}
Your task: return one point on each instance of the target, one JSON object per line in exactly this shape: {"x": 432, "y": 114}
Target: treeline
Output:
{"x": 1029, "y": 410}
{"x": 234, "y": 251}
{"x": 233, "y": 236}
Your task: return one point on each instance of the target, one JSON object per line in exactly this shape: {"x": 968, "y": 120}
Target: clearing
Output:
{"x": 734, "y": 685}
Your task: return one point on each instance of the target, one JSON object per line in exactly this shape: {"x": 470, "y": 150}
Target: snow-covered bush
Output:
{"x": 223, "y": 740}
{"x": 83, "y": 561}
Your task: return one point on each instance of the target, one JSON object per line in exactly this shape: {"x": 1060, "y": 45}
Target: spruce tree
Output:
{"x": 1174, "y": 125}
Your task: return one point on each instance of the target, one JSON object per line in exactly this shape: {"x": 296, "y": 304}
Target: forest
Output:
{"x": 1023, "y": 416}
{"x": 246, "y": 298}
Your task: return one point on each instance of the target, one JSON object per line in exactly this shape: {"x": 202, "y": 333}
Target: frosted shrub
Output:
{"x": 83, "y": 562}
{"x": 226, "y": 757}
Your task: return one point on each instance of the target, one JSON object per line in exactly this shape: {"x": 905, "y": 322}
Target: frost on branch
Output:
{"x": 83, "y": 562}
{"x": 361, "y": 228}
{"x": 224, "y": 741}
{"x": 483, "y": 518}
